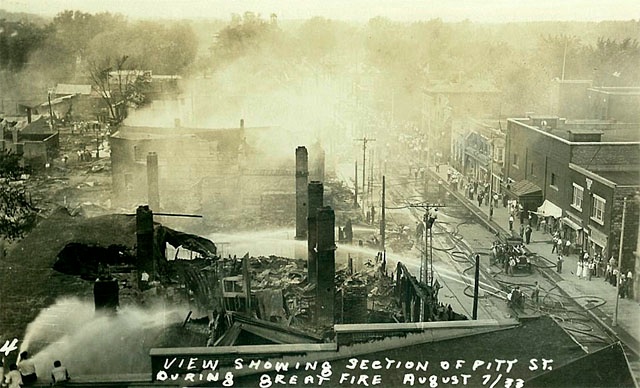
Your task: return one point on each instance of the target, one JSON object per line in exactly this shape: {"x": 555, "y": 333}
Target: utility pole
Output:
{"x": 355, "y": 186}
{"x": 475, "y": 288}
{"x": 615, "y": 312}
{"x": 49, "y": 91}
{"x": 382, "y": 216}
{"x": 564, "y": 57}
{"x": 364, "y": 141}
{"x": 426, "y": 265}
{"x": 491, "y": 209}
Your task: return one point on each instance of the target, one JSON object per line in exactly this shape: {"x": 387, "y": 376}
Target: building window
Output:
{"x": 498, "y": 154}
{"x": 578, "y": 191}
{"x": 515, "y": 160}
{"x": 531, "y": 169}
{"x": 597, "y": 209}
{"x": 137, "y": 154}
{"x": 553, "y": 179}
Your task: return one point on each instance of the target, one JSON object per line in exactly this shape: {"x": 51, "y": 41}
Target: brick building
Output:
{"x": 220, "y": 173}
{"x": 583, "y": 171}
{"x": 443, "y": 103}
{"x": 478, "y": 150}
{"x": 579, "y": 99}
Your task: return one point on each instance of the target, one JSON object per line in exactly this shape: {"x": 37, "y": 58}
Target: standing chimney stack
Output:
{"x": 144, "y": 236}
{"x": 315, "y": 195}
{"x": 326, "y": 267}
{"x": 302, "y": 177}
{"x": 153, "y": 189}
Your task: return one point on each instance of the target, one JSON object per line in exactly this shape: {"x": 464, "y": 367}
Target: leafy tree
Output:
{"x": 246, "y": 34}
{"x": 16, "y": 212}
{"x": 120, "y": 86}
{"x": 18, "y": 41}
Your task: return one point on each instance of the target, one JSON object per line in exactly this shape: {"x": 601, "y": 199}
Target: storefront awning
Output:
{"x": 524, "y": 189}
{"x": 549, "y": 209}
{"x": 568, "y": 222}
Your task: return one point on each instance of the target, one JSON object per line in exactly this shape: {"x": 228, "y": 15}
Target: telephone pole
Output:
{"x": 355, "y": 186}
{"x": 364, "y": 141}
{"x": 619, "y": 276}
{"x": 382, "y": 216}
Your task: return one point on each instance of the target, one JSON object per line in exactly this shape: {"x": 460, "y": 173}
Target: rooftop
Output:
{"x": 611, "y": 132}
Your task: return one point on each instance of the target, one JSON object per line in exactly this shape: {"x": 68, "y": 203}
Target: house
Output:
{"x": 36, "y": 142}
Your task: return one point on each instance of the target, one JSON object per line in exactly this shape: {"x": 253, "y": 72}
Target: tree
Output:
{"x": 120, "y": 86}
{"x": 16, "y": 212}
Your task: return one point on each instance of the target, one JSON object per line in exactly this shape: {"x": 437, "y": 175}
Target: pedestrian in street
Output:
{"x": 510, "y": 222}
{"x": 59, "y": 374}
{"x": 527, "y": 234}
{"x": 480, "y": 199}
{"x": 495, "y": 200}
{"x": 505, "y": 262}
{"x": 590, "y": 268}
{"x": 522, "y": 230}
{"x": 630, "y": 286}
{"x": 535, "y": 295}
{"x": 559, "y": 264}
{"x": 512, "y": 265}
{"x": 567, "y": 247}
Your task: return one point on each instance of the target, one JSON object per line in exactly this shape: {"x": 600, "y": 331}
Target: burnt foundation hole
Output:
{"x": 84, "y": 260}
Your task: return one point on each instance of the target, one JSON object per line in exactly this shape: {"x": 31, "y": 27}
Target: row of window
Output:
{"x": 597, "y": 203}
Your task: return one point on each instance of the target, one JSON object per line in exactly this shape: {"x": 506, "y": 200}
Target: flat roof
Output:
{"x": 144, "y": 132}
{"x": 621, "y": 178}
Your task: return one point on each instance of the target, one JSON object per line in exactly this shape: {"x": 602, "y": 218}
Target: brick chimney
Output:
{"x": 302, "y": 176}
{"x": 144, "y": 237}
{"x": 315, "y": 201}
{"x": 326, "y": 267}
{"x": 153, "y": 189}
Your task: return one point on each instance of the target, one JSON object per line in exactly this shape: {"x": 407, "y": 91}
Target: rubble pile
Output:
{"x": 281, "y": 289}
{"x": 366, "y": 296}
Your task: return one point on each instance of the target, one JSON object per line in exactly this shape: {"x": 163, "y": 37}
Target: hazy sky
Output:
{"x": 405, "y": 10}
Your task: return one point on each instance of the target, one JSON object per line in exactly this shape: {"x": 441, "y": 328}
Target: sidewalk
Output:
{"x": 596, "y": 296}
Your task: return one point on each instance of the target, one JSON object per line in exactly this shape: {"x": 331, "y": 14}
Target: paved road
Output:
{"x": 595, "y": 296}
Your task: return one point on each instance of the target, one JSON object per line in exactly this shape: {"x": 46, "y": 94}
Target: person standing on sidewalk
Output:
{"x": 511, "y": 222}
{"x": 579, "y": 269}
{"x": 590, "y": 268}
{"x": 567, "y": 247}
{"x": 527, "y": 234}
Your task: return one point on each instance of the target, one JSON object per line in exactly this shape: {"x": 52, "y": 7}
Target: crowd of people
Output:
{"x": 508, "y": 256}
{"x": 23, "y": 373}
